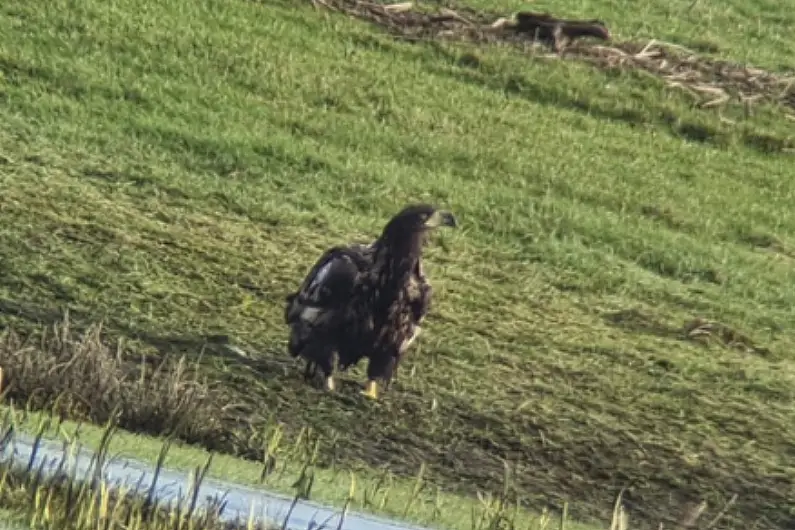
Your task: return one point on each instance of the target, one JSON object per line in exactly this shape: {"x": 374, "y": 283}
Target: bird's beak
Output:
{"x": 441, "y": 218}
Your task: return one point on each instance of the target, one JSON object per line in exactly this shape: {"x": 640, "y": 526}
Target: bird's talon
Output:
{"x": 370, "y": 390}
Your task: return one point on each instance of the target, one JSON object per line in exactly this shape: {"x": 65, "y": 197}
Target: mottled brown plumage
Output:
{"x": 365, "y": 301}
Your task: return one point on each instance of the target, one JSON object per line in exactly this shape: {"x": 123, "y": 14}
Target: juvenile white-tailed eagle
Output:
{"x": 365, "y": 300}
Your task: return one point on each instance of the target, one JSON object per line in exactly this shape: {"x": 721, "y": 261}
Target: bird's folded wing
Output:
{"x": 331, "y": 280}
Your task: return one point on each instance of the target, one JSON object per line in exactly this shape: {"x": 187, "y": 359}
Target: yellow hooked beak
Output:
{"x": 441, "y": 218}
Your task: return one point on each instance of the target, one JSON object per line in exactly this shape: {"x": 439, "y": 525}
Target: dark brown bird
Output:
{"x": 366, "y": 300}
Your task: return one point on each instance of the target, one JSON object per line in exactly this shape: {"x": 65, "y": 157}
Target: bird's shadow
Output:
{"x": 29, "y": 318}
{"x": 270, "y": 365}
{"x": 266, "y": 365}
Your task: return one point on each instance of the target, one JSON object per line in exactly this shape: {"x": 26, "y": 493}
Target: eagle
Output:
{"x": 365, "y": 300}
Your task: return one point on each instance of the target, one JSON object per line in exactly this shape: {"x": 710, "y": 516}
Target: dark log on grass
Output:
{"x": 557, "y": 31}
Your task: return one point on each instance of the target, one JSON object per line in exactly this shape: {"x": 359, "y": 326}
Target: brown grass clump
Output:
{"x": 81, "y": 377}
{"x": 706, "y": 332}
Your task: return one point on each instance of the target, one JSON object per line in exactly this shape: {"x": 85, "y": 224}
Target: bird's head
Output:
{"x": 417, "y": 219}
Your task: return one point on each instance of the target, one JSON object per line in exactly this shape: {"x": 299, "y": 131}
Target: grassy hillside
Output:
{"x": 617, "y": 308}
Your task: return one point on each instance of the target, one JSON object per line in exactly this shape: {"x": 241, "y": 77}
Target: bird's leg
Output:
{"x": 371, "y": 389}
{"x": 327, "y": 367}
{"x": 380, "y": 367}
{"x": 310, "y": 370}
{"x": 373, "y": 368}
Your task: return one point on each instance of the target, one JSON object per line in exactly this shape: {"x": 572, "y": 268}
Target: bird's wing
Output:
{"x": 320, "y": 313}
{"x": 329, "y": 283}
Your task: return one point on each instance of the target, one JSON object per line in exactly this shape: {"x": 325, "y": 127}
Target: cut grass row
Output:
{"x": 752, "y": 32}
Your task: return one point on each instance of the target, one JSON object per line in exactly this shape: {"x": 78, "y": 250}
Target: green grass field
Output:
{"x": 173, "y": 168}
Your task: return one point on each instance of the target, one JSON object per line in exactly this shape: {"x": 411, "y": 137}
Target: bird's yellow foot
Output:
{"x": 329, "y": 384}
{"x": 370, "y": 390}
